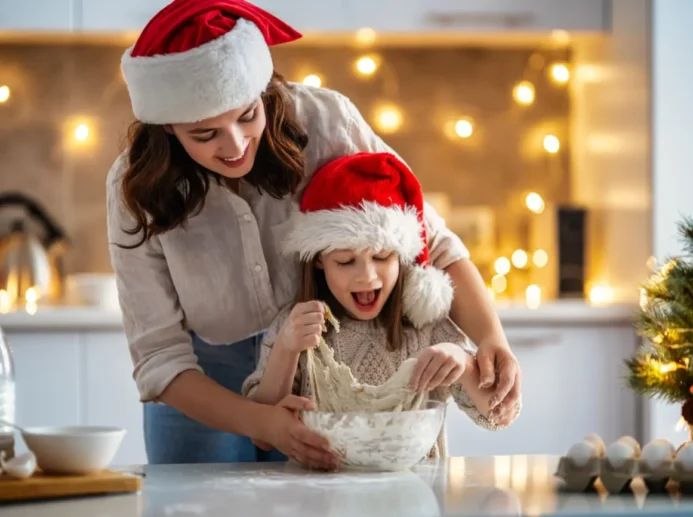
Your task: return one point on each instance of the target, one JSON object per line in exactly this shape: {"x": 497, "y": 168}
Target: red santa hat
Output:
{"x": 373, "y": 201}
{"x": 197, "y": 59}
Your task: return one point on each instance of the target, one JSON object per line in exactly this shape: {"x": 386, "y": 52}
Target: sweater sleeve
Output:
{"x": 447, "y": 332}
{"x": 253, "y": 380}
{"x": 445, "y": 247}
{"x": 160, "y": 347}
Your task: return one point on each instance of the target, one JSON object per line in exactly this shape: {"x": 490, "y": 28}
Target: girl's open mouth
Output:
{"x": 366, "y": 300}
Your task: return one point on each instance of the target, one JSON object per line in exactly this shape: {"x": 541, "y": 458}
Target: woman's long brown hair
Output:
{"x": 163, "y": 186}
{"x": 313, "y": 286}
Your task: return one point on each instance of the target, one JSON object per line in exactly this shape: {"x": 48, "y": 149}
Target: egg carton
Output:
{"x": 623, "y": 461}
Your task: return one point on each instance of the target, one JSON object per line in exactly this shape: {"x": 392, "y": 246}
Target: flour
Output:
{"x": 336, "y": 390}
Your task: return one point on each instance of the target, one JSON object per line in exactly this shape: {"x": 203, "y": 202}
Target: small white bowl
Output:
{"x": 73, "y": 450}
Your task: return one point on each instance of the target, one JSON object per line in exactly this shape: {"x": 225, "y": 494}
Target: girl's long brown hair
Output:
{"x": 163, "y": 186}
{"x": 313, "y": 286}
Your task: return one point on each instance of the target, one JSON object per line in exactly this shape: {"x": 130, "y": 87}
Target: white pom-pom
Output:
{"x": 657, "y": 452}
{"x": 581, "y": 452}
{"x": 619, "y": 452}
{"x": 598, "y": 443}
{"x": 685, "y": 457}
{"x": 427, "y": 295}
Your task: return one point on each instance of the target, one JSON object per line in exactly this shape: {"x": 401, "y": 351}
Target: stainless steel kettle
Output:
{"x": 30, "y": 266}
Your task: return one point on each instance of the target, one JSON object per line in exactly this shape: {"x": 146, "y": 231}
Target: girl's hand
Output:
{"x": 288, "y": 434}
{"x": 302, "y": 329}
{"x": 438, "y": 365}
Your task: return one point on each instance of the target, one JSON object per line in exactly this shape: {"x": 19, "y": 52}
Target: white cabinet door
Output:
{"x": 48, "y": 385}
{"x": 37, "y": 15}
{"x": 476, "y": 16}
{"x": 573, "y": 385}
{"x": 126, "y": 15}
{"x": 111, "y": 397}
{"x": 309, "y": 15}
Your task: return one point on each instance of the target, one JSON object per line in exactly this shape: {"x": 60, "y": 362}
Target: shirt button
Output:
{"x": 247, "y": 217}
{"x": 258, "y": 268}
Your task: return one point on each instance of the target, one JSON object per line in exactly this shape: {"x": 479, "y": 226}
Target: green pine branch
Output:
{"x": 666, "y": 321}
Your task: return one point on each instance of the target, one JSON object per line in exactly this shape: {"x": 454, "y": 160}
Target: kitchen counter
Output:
{"x": 96, "y": 318}
{"x": 502, "y": 485}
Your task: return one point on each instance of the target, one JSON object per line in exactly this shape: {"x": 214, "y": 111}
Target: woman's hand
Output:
{"x": 287, "y": 433}
{"x": 500, "y": 371}
{"x": 302, "y": 329}
{"x": 438, "y": 365}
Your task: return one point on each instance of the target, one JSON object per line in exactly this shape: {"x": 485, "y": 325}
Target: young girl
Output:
{"x": 362, "y": 244}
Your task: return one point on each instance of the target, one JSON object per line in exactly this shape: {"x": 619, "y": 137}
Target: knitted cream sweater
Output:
{"x": 361, "y": 346}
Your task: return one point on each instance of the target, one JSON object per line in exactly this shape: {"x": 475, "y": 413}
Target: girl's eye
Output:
{"x": 382, "y": 257}
{"x": 347, "y": 263}
{"x": 249, "y": 117}
{"x": 203, "y": 139}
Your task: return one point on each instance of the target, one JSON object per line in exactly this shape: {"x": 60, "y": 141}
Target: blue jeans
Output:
{"x": 172, "y": 437}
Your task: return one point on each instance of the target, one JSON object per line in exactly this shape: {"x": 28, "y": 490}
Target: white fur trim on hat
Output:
{"x": 427, "y": 296}
{"x": 368, "y": 226}
{"x": 223, "y": 74}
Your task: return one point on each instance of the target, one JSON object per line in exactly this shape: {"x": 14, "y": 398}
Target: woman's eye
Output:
{"x": 207, "y": 137}
{"x": 346, "y": 263}
{"x": 382, "y": 257}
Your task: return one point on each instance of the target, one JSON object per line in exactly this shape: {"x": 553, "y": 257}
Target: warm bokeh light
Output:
{"x": 524, "y": 93}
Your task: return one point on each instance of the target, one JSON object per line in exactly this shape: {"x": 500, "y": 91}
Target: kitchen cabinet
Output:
{"x": 37, "y": 15}
{"x": 459, "y": 16}
{"x": 78, "y": 378}
{"x": 573, "y": 385}
{"x": 122, "y": 16}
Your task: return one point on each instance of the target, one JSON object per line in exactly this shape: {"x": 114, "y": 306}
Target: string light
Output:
{"x": 533, "y": 296}
{"x": 560, "y": 73}
{"x": 499, "y": 283}
{"x": 524, "y": 93}
{"x": 551, "y": 144}
{"x": 366, "y": 65}
{"x": 601, "y": 294}
{"x": 31, "y": 295}
{"x": 668, "y": 367}
{"x": 388, "y": 118}
{"x": 464, "y": 128}
{"x": 535, "y": 203}
{"x": 519, "y": 258}
{"x": 5, "y": 302}
{"x": 502, "y": 266}
{"x": 365, "y": 36}
{"x": 4, "y": 93}
{"x": 540, "y": 258}
{"x": 81, "y": 132}
{"x": 313, "y": 80}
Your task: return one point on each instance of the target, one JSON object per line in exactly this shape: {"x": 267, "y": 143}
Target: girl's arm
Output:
{"x": 474, "y": 400}
{"x": 293, "y": 331}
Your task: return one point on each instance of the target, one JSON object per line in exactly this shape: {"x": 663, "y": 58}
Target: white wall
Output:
{"x": 610, "y": 136}
{"x": 672, "y": 136}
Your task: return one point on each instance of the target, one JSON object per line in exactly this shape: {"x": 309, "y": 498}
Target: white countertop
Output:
{"x": 505, "y": 485}
{"x": 97, "y": 318}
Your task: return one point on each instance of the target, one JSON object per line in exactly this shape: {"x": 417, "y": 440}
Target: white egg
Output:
{"x": 582, "y": 452}
{"x": 21, "y": 467}
{"x": 657, "y": 452}
{"x": 618, "y": 453}
{"x": 685, "y": 457}
{"x": 631, "y": 442}
{"x": 598, "y": 443}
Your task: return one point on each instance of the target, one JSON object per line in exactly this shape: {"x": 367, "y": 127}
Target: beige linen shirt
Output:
{"x": 223, "y": 276}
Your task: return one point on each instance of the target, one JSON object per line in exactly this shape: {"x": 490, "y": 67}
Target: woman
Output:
{"x": 197, "y": 208}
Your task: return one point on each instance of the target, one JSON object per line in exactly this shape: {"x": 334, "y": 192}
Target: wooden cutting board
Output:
{"x": 41, "y": 486}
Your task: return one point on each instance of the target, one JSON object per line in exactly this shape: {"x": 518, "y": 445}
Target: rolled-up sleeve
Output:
{"x": 444, "y": 246}
{"x": 160, "y": 347}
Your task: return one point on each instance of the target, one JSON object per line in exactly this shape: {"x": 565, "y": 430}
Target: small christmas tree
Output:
{"x": 663, "y": 367}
